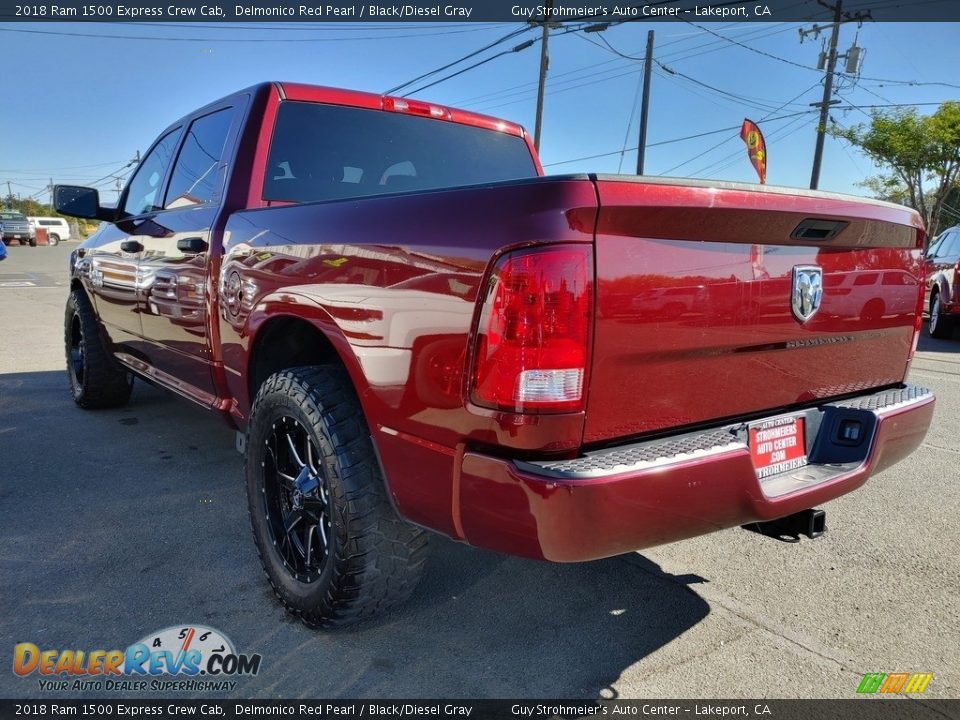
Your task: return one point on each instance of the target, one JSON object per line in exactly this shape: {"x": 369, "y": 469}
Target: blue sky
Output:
{"x": 82, "y": 106}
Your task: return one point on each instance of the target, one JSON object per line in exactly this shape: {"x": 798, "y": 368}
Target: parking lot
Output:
{"x": 118, "y": 523}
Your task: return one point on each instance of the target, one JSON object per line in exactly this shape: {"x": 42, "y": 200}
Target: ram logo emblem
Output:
{"x": 807, "y": 291}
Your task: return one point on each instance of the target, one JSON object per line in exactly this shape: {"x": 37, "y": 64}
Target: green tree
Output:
{"x": 921, "y": 151}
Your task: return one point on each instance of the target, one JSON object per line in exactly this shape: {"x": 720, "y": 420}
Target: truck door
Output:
{"x": 114, "y": 259}
{"x": 175, "y": 290}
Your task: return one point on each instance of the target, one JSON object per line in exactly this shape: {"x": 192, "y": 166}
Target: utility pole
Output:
{"x": 645, "y": 103}
{"x": 544, "y": 63}
{"x": 50, "y": 188}
{"x": 827, "y": 93}
{"x": 853, "y": 57}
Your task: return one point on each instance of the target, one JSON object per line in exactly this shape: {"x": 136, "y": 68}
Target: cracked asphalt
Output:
{"x": 118, "y": 523}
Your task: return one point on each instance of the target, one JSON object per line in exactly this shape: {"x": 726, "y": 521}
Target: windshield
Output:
{"x": 12, "y": 216}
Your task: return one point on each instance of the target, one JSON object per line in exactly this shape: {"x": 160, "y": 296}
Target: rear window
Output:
{"x": 329, "y": 152}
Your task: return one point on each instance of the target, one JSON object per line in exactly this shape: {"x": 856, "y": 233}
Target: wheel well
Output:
{"x": 285, "y": 343}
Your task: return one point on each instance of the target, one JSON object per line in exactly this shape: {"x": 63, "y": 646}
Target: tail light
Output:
{"x": 921, "y": 299}
{"x": 534, "y": 331}
{"x": 415, "y": 107}
{"x": 917, "y": 322}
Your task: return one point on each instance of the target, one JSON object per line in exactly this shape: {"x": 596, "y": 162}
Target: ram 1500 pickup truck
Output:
{"x": 413, "y": 329}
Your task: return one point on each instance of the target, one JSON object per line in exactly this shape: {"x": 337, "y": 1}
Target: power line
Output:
{"x": 574, "y": 76}
{"x": 225, "y": 40}
{"x": 321, "y": 27}
{"x": 528, "y": 87}
{"x": 724, "y": 142}
{"x": 725, "y": 129}
{"x": 741, "y": 99}
{"x": 723, "y": 163}
{"x": 55, "y": 170}
{"x": 808, "y": 67}
{"x": 912, "y": 83}
{"x": 675, "y": 140}
{"x": 506, "y": 37}
{"x": 518, "y": 48}
{"x": 633, "y": 113}
{"x": 753, "y": 49}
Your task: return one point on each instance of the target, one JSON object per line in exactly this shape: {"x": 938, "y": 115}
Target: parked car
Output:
{"x": 15, "y": 226}
{"x": 943, "y": 283}
{"x": 3, "y": 251}
{"x": 413, "y": 330}
{"x": 57, "y": 228}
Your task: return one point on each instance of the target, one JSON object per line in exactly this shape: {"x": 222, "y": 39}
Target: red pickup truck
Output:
{"x": 412, "y": 329}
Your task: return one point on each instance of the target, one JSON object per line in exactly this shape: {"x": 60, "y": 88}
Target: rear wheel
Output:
{"x": 96, "y": 381}
{"x": 939, "y": 325}
{"x": 330, "y": 543}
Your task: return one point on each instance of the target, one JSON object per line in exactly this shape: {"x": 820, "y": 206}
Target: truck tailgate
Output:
{"x": 695, "y": 316}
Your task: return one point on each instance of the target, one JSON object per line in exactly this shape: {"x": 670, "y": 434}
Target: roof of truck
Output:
{"x": 357, "y": 98}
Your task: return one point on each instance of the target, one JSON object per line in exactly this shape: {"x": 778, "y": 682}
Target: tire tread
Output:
{"x": 105, "y": 383}
{"x": 381, "y": 562}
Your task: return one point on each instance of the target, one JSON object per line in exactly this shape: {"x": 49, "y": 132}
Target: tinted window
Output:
{"x": 143, "y": 193}
{"x": 326, "y": 152}
{"x": 197, "y": 174}
{"x": 949, "y": 246}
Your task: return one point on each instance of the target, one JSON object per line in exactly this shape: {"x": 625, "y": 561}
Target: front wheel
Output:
{"x": 331, "y": 544}
{"x": 939, "y": 326}
{"x": 96, "y": 381}
{"x": 54, "y": 240}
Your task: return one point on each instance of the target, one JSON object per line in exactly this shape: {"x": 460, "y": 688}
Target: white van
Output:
{"x": 56, "y": 227}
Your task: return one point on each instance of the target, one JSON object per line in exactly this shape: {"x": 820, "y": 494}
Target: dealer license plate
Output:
{"x": 777, "y": 446}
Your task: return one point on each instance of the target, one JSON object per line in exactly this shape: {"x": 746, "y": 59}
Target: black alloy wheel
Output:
{"x": 296, "y": 500}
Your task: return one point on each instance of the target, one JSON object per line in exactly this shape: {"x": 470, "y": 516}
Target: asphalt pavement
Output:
{"x": 114, "y": 524}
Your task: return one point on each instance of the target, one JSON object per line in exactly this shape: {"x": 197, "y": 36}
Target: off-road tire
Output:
{"x": 939, "y": 326}
{"x": 374, "y": 559}
{"x": 96, "y": 380}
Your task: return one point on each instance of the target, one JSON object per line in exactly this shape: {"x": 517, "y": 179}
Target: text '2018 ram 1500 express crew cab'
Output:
{"x": 411, "y": 328}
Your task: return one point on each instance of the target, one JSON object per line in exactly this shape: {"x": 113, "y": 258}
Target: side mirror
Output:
{"x": 81, "y": 202}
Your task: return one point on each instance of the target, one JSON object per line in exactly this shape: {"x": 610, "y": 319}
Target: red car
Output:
{"x": 413, "y": 330}
{"x": 943, "y": 276}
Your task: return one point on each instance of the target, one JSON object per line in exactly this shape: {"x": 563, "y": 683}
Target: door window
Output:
{"x": 143, "y": 192}
{"x": 198, "y": 173}
{"x": 949, "y": 247}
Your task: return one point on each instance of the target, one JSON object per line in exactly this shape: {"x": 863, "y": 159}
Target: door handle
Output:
{"x": 131, "y": 246}
{"x": 192, "y": 245}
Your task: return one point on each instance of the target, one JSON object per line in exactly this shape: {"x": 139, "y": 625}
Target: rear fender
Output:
{"x": 422, "y": 471}
{"x": 294, "y": 306}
